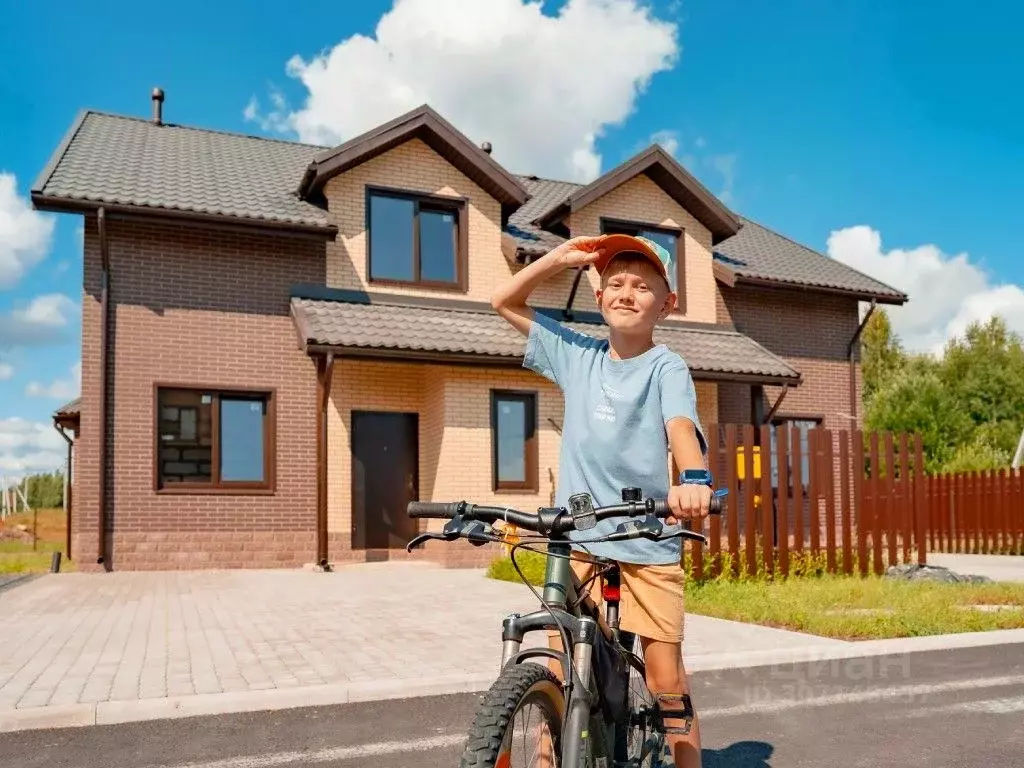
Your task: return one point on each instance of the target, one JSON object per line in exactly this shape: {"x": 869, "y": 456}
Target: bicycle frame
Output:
{"x": 560, "y": 594}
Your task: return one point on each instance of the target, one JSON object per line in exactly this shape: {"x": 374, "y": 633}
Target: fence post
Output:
{"x": 859, "y": 506}
{"x": 767, "y": 500}
{"x": 749, "y": 513}
{"x": 844, "y": 490}
{"x": 906, "y": 512}
{"x": 876, "y": 508}
{"x": 922, "y": 518}
{"x": 829, "y": 467}
{"x": 733, "y": 499}
{"x": 782, "y": 523}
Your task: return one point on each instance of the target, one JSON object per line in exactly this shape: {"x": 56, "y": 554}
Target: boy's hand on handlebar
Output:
{"x": 688, "y": 502}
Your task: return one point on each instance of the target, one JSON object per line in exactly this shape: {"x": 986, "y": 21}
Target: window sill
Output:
{"x": 421, "y": 285}
{"x": 198, "y": 491}
{"x": 515, "y": 491}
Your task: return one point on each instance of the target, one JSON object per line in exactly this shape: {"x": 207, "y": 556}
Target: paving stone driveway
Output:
{"x": 78, "y": 638}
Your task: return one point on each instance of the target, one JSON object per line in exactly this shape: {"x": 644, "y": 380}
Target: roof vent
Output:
{"x": 486, "y": 147}
{"x": 158, "y": 106}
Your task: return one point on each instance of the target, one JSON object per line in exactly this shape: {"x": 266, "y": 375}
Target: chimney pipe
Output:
{"x": 486, "y": 147}
{"x": 158, "y": 101}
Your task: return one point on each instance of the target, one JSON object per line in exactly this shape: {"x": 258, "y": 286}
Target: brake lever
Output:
{"x": 422, "y": 538}
{"x": 477, "y": 532}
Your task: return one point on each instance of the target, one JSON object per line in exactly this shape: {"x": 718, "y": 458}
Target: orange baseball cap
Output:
{"x": 613, "y": 245}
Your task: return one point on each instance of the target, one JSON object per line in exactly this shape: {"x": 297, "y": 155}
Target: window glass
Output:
{"x": 511, "y": 427}
{"x": 391, "y": 238}
{"x": 185, "y": 434}
{"x": 241, "y": 439}
{"x": 437, "y": 245}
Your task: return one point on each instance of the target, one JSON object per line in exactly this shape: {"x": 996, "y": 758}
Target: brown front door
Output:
{"x": 385, "y": 478}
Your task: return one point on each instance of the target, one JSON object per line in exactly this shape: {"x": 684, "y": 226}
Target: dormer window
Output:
{"x": 416, "y": 239}
{"x": 667, "y": 237}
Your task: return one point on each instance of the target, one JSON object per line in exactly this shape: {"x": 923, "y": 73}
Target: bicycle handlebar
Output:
{"x": 556, "y": 520}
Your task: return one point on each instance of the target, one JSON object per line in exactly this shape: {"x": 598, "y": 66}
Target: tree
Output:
{"x": 882, "y": 355}
{"x": 913, "y": 399}
{"x": 967, "y": 405}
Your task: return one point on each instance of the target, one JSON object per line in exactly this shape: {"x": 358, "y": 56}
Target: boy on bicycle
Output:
{"x": 629, "y": 403}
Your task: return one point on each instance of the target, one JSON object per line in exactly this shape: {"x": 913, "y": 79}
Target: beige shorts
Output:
{"x": 651, "y": 598}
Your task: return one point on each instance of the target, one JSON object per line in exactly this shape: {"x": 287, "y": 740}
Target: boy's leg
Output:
{"x": 653, "y": 608}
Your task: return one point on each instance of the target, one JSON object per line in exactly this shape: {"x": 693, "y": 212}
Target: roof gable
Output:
{"x": 668, "y": 174}
{"x": 437, "y": 133}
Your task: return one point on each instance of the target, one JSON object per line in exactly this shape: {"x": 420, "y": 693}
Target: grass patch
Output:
{"x": 18, "y": 556}
{"x": 837, "y": 606}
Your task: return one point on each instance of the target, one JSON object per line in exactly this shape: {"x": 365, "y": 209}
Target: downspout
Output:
{"x": 325, "y": 374}
{"x": 68, "y": 491}
{"x": 567, "y": 312}
{"x": 101, "y": 535}
{"x": 853, "y": 366}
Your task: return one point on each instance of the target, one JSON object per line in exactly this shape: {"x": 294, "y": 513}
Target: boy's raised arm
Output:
{"x": 510, "y": 299}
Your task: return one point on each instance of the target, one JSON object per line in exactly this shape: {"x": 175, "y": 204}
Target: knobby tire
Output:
{"x": 518, "y": 684}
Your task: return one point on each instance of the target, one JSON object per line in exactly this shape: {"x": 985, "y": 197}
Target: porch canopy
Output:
{"x": 356, "y": 324}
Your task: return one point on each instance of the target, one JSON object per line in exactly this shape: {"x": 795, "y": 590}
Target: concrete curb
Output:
{"x": 135, "y": 710}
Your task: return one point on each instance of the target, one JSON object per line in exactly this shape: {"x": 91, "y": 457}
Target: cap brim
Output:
{"x": 613, "y": 245}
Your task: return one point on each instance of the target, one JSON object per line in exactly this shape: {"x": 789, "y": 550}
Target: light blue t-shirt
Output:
{"x": 614, "y": 427}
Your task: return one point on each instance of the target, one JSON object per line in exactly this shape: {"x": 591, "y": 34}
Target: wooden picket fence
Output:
{"x": 847, "y": 502}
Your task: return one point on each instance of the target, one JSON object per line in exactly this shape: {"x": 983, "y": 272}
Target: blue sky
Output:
{"x": 883, "y": 134}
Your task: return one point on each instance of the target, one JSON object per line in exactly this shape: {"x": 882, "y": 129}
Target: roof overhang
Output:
{"x": 731, "y": 279}
{"x": 355, "y": 324}
{"x": 427, "y": 125}
{"x": 668, "y": 174}
{"x": 43, "y": 202}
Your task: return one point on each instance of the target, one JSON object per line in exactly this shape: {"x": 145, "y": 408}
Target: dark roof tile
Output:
{"x": 431, "y": 329}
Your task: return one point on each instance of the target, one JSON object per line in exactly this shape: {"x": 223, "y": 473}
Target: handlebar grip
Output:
{"x": 661, "y": 508}
{"x": 432, "y": 509}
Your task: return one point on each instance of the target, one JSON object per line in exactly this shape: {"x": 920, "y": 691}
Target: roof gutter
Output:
{"x": 101, "y": 526}
{"x": 853, "y": 365}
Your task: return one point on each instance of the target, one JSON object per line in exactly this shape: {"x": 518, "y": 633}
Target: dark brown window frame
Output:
{"x": 531, "y": 448}
{"x": 611, "y": 225}
{"x": 217, "y": 487}
{"x": 457, "y": 205}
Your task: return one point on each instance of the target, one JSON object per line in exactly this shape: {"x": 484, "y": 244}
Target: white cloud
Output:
{"x": 29, "y": 446}
{"x": 669, "y": 141}
{"x": 6, "y": 371}
{"x": 25, "y": 234}
{"x": 946, "y": 292}
{"x": 58, "y": 389}
{"x": 540, "y": 88}
{"x": 46, "y": 320}
{"x": 725, "y": 165}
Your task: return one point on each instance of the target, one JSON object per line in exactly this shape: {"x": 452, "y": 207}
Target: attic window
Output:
{"x": 416, "y": 239}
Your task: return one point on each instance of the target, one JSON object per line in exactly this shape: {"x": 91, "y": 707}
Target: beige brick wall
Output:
{"x": 453, "y": 403}
{"x": 640, "y": 199}
{"x": 412, "y": 166}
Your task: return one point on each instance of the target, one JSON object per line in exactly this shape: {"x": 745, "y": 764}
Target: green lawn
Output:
{"x": 843, "y": 607}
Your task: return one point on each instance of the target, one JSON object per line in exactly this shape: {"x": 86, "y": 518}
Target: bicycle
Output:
{"x": 593, "y": 719}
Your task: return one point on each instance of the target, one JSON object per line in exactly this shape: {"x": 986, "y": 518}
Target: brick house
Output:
{"x": 282, "y": 344}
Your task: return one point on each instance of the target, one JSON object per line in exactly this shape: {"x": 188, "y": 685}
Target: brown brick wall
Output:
{"x": 808, "y": 330}
{"x": 195, "y": 306}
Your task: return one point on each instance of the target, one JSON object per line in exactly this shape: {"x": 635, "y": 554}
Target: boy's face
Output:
{"x": 633, "y": 295}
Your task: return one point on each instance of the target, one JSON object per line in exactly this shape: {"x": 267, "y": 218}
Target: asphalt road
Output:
{"x": 958, "y": 708}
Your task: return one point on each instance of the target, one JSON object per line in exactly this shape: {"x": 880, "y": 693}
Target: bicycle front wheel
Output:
{"x": 519, "y": 722}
